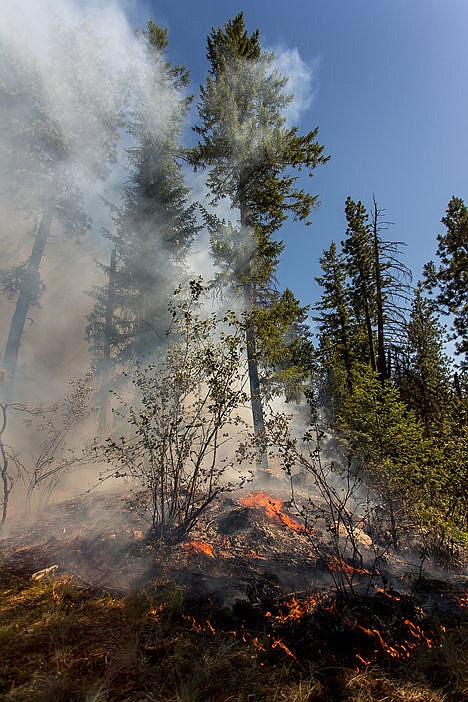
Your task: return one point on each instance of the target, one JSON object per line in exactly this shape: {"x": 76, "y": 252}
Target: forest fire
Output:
{"x": 201, "y": 547}
{"x": 300, "y": 628}
{"x": 413, "y": 637}
{"x": 294, "y": 609}
{"x": 273, "y": 508}
{"x": 340, "y": 565}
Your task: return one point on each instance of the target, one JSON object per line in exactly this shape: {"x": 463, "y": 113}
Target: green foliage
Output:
{"x": 451, "y": 275}
{"x": 154, "y": 228}
{"x": 381, "y": 432}
{"x": 428, "y": 475}
{"x": 242, "y": 134}
{"x": 254, "y": 161}
{"x": 187, "y": 411}
{"x": 338, "y": 332}
{"x": 283, "y": 345}
{"x": 425, "y": 383}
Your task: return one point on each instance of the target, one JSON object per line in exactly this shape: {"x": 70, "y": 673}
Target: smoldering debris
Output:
{"x": 243, "y": 538}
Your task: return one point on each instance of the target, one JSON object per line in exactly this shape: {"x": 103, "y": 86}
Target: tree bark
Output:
{"x": 106, "y": 358}
{"x": 258, "y": 418}
{"x": 28, "y": 293}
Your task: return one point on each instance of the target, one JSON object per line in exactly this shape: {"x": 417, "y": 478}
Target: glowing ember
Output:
{"x": 273, "y": 508}
{"x": 156, "y": 612}
{"x": 199, "y": 626}
{"x": 254, "y": 554}
{"x": 391, "y": 596}
{"x": 202, "y": 547}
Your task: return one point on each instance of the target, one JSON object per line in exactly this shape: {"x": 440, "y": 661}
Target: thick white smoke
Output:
{"x": 72, "y": 74}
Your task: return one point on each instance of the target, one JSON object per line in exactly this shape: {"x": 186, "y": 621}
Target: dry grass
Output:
{"x": 60, "y": 643}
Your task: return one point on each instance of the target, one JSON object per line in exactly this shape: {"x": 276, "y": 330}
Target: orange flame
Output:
{"x": 390, "y": 595}
{"x": 294, "y": 609}
{"x": 199, "y": 626}
{"x": 156, "y": 612}
{"x": 201, "y": 547}
{"x": 272, "y": 506}
{"x": 278, "y": 643}
{"x": 339, "y": 564}
{"x": 417, "y": 637}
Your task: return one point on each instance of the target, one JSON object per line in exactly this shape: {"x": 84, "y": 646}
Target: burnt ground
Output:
{"x": 103, "y": 540}
{"x": 246, "y": 577}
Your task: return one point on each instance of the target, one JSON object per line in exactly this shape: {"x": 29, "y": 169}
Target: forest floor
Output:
{"x": 223, "y": 619}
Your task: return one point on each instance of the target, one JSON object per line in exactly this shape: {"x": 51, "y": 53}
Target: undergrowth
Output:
{"x": 63, "y": 643}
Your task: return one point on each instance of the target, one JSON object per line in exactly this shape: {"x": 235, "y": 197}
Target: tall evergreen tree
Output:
{"x": 426, "y": 384}
{"x": 153, "y": 228}
{"x": 379, "y": 283}
{"x": 336, "y": 326}
{"x": 450, "y": 277}
{"x": 250, "y": 154}
{"x": 359, "y": 251}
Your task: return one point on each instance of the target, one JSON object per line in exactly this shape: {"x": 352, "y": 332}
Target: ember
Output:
{"x": 273, "y": 508}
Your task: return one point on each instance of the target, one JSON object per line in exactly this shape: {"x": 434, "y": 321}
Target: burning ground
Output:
{"x": 244, "y": 609}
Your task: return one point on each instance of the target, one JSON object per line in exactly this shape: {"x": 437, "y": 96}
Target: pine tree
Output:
{"x": 359, "y": 252}
{"x": 249, "y": 152}
{"x": 379, "y": 283}
{"x": 426, "y": 385}
{"x": 451, "y": 275}
{"x": 338, "y": 342}
{"x": 153, "y": 228}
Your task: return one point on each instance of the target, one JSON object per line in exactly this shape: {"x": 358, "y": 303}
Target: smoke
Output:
{"x": 71, "y": 74}
{"x": 302, "y": 81}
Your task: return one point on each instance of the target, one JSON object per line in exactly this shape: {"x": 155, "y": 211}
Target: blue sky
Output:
{"x": 390, "y": 100}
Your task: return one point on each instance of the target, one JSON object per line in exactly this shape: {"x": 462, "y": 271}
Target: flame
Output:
{"x": 339, "y": 564}
{"x": 273, "y": 508}
{"x": 463, "y": 600}
{"x": 390, "y": 595}
{"x": 202, "y": 547}
{"x": 278, "y": 643}
{"x": 156, "y": 612}
{"x": 199, "y": 626}
{"x": 416, "y": 637}
{"x": 294, "y": 609}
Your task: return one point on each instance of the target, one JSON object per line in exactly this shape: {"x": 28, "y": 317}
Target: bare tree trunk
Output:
{"x": 4, "y": 463}
{"x": 254, "y": 380}
{"x": 106, "y": 359}
{"x": 370, "y": 336}
{"x": 254, "y": 383}
{"x": 28, "y": 294}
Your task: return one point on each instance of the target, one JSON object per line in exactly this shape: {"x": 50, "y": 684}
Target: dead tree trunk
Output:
{"x": 29, "y": 292}
{"x": 107, "y": 347}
